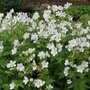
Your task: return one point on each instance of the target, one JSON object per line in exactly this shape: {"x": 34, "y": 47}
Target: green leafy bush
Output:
{"x": 43, "y": 52}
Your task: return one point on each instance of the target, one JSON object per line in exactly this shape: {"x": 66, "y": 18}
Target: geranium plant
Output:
{"x": 47, "y": 51}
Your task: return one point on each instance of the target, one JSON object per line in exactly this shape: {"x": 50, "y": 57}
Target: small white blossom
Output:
{"x": 12, "y": 86}
{"x": 11, "y": 64}
{"x": 66, "y": 71}
{"x": 34, "y": 67}
{"x": 34, "y": 37}
{"x": 67, "y": 5}
{"x": 89, "y": 23}
{"x": 67, "y": 62}
{"x": 14, "y": 50}
{"x": 46, "y": 14}
{"x": 1, "y": 46}
{"x": 16, "y": 43}
{"x": 25, "y": 81}
{"x": 69, "y": 81}
{"x": 54, "y": 8}
{"x": 81, "y": 68}
{"x": 35, "y": 16}
{"x": 41, "y": 55}
{"x": 39, "y": 83}
{"x": 44, "y": 64}
{"x": 26, "y": 35}
{"x": 49, "y": 87}
{"x": 20, "y": 67}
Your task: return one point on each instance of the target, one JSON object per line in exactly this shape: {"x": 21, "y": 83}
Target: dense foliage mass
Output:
{"x": 45, "y": 52}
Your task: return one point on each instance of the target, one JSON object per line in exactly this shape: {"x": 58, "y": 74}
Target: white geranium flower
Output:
{"x": 78, "y": 25}
{"x": 16, "y": 43}
{"x": 46, "y": 14}
{"x": 59, "y": 47}
{"x": 12, "y": 86}
{"x": 44, "y": 64}
{"x": 1, "y": 46}
{"x": 11, "y": 64}
{"x": 66, "y": 71}
{"x": 81, "y": 68}
{"x": 14, "y": 50}
{"x": 89, "y": 23}
{"x": 31, "y": 50}
{"x": 49, "y": 87}
{"x": 88, "y": 36}
{"x": 20, "y": 67}
{"x": 69, "y": 81}
{"x": 35, "y": 16}
{"x": 54, "y": 8}
{"x": 39, "y": 83}
{"x": 53, "y": 49}
{"x": 26, "y": 35}
{"x": 67, "y": 62}
{"x": 25, "y": 81}
{"x": 41, "y": 55}
{"x": 34, "y": 37}
{"x": 12, "y": 11}
{"x": 67, "y": 5}
{"x": 60, "y": 7}
{"x": 60, "y": 14}
{"x": 34, "y": 67}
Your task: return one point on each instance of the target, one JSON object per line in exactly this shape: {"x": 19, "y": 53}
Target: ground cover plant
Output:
{"x": 48, "y": 51}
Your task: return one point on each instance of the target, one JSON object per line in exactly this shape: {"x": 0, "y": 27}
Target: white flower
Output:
{"x": 54, "y": 8}
{"x": 60, "y": 7}
{"x": 16, "y": 43}
{"x": 34, "y": 37}
{"x": 26, "y": 35}
{"x": 20, "y": 67}
{"x": 46, "y": 14}
{"x": 14, "y": 50}
{"x": 49, "y": 87}
{"x": 81, "y": 68}
{"x": 53, "y": 49}
{"x": 48, "y": 6}
{"x": 34, "y": 67}
{"x": 66, "y": 71}
{"x": 11, "y": 64}
{"x": 41, "y": 55}
{"x": 31, "y": 50}
{"x": 44, "y": 64}
{"x": 89, "y": 23}
{"x": 66, "y": 62}
{"x": 12, "y": 10}
{"x": 39, "y": 83}
{"x": 69, "y": 81}
{"x": 1, "y": 46}
{"x": 88, "y": 36}
{"x": 67, "y": 5}
{"x": 60, "y": 14}
{"x": 78, "y": 25}
{"x": 12, "y": 86}
{"x": 35, "y": 16}
{"x": 59, "y": 47}
{"x": 25, "y": 81}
